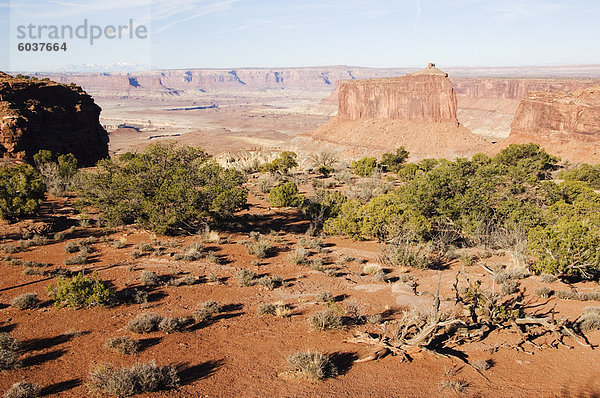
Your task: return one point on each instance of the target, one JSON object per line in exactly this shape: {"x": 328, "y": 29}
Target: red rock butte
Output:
{"x": 417, "y": 111}
{"x": 424, "y": 96}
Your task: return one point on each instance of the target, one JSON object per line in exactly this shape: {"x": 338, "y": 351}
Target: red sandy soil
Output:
{"x": 242, "y": 354}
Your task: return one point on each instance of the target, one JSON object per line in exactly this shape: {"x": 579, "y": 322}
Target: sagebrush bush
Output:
{"x": 326, "y": 319}
{"x": 168, "y": 189}
{"x": 270, "y": 282}
{"x": 26, "y": 301}
{"x": 81, "y": 291}
{"x": 144, "y": 323}
{"x": 79, "y": 259}
{"x": 7, "y": 342}
{"x": 589, "y": 320}
{"x": 186, "y": 280}
{"x": 207, "y": 310}
{"x": 150, "y": 279}
{"x": 245, "y": 277}
{"x": 278, "y": 309}
{"x": 299, "y": 256}
{"x": 22, "y": 190}
{"x": 9, "y": 360}
{"x": 314, "y": 365}
{"x": 172, "y": 325}
{"x": 140, "y": 378}
{"x": 123, "y": 345}
{"x": 23, "y": 389}
{"x": 259, "y": 246}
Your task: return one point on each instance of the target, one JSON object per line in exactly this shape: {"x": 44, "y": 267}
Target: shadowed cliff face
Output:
{"x": 37, "y": 115}
{"x": 425, "y": 96}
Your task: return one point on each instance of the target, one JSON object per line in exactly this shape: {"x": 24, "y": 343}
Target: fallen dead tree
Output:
{"x": 483, "y": 312}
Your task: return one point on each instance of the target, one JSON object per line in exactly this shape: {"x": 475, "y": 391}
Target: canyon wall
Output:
{"x": 41, "y": 114}
{"x": 565, "y": 124}
{"x": 425, "y": 96}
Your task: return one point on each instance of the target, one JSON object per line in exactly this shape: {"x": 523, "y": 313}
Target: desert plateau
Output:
{"x": 194, "y": 227}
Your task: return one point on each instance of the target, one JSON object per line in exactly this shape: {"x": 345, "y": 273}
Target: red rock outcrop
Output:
{"x": 425, "y": 96}
{"x": 41, "y": 114}
{"x": 565, "y": 124}
{"x": 417, "y": 111}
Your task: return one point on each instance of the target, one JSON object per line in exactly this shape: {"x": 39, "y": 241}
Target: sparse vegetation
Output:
{"x": 144, "y": 323}
{"x": 167, "y": 189}
{"x": 23, "y": 389}
{"x": 140, "y": 378}
{"x": 313, "y": 365}
{"x": 326, "y": 319}
{"x": 207, "y": 310}
{"x": 26, "y": 301}
{"x": 259, "y": 246}
{"x": 123, "y": 345}
{"x": 246, "y": 277}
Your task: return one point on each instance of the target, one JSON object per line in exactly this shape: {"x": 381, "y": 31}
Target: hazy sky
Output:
{"x": 379, "y": 33}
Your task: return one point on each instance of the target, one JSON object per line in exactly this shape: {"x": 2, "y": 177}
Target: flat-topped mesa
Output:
{"x": 424, "y": 96}
{"x": 560, "y": 116}
{"x": 41, "y": 114}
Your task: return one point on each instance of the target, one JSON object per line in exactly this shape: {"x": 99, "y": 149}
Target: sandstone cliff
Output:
{"x": 565, "y": 124}
{"x": 425, "y": 96}
{"x": 41, "y": 114}
{"x": 417, "y": 111}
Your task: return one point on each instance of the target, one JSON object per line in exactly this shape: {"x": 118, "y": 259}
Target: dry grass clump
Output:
{"x": 589, "y": 320}
{"x": 26, "y": 301}
{"x": 259, "y": 245}
{"x": 299, "y": 256}
{"x": 9, "y": 360}
{"x": 183, "y": 281}
{"x": 245, "y": 277}
{"x": 483, "y": 364}
{"x": 544, "y": 292}
{"x": 270, "y": 282}
{"x": 313, "y": 365}
{"x": 372, "y": 269}
{"x": 72, "y": 247}
{"x": 505, "y": 275}
{"x": 144, "y": 323}
{"x": 173, "y": 325}
{"x": 327, "y": 319}
{"x": 325, "y": 297}
{"x": 140, "y": 378}
{"x": 23, "y": 390}
{"x": 9, "y": 248}
{"x": 403, "y": 254}
{"x": 79, "y": 259}
{"x": 547, "y": 278}
{"x": 458, "y": 386}
{"x": 7, "y": 342}
{"x": 207, "y": 310}
{"x": 123, "y": 345}
{"x": 278, "y": 309}
{"x": 575, "y": 295}
{"x": 150, "y": 279}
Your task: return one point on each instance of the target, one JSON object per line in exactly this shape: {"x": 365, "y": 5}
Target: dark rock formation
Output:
{"x": 41, "y": 114}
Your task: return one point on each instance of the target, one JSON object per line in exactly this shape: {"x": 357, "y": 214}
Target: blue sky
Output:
{"x": 256, "y": 33}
